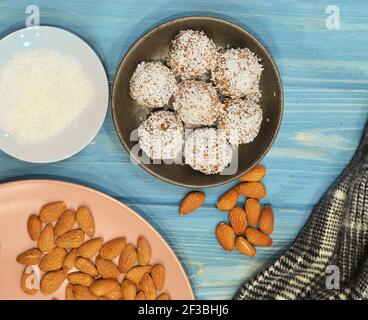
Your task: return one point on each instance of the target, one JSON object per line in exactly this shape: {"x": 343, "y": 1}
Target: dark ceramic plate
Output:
{"x": 154, "y": 46}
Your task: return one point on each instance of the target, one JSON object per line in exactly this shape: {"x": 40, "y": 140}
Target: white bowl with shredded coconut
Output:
{"x": 53, "y": 94}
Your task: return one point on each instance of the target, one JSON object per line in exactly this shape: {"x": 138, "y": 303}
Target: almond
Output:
{"x": 192, "y": 202}
{"x": 80, "y": 278}
{"x": 30, "y": 257}
{"x": 163, "y": 296}
{"x": 228, "y": 201}
{"x": 266, "y": 220}
{"x": 144, "y": 251}
{"x": 70, "y": 260}
{"x": 225, "y": 236}
{"x": 71, "y": 239}
{"x": 69, "y": 294}
{"x": 24, "y": 282}
{"x": 102, "y": 286}
{"x": 34, "y": 227}
{"x": 158, "y": 276}
{"x": 65, "y": 223}
{"x": 115, "y": 293}
{"x": 251, "y": 189}
{"x": 85, "y": 221}
{"x": 238, "y": 220}
{"x": 53, "y": 260}
{"x": 128, "y": 258}
{"x": 253, "y": 211}
{"x": 135, "y": 274}
{"x": 86, "y": 266}
{"x": 52, "y": 211}
{"x": 148, "y": 287}
{"x": 244, "y": 247}
{"x": 83, "y": 293}
{"x": 111, "y": 249}
{"x": 140, "y": 296}
{"x": 258, "y": 238}
{"x": 46, "y": 241}
{"x": 128, "y": 290}
{"x": 255, "y": 174}
{"x": 51, "y": 281}
{"x": 90, "y": 248}
{"x": 107, "y": 268}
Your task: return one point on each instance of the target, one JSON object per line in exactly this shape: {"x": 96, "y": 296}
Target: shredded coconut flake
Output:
{"x": 42, "y": 92}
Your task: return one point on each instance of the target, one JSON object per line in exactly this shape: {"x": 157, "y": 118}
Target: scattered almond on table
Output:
{"x": 120, "y": 271}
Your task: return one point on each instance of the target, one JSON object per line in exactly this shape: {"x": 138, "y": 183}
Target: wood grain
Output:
{"x": 325, "y": 78}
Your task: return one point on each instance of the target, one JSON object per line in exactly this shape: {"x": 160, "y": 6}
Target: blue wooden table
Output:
{"x": 325, "y": 77}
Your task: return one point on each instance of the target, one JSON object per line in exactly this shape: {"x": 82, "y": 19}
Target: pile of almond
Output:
{"x": 114, "y": 270}
{"x": 250, "y": 225}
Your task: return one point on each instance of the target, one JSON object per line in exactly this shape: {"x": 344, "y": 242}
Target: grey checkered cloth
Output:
{"x": 335, "y": 235}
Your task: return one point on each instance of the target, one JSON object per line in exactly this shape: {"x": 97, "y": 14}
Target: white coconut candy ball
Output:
{"x": 241, "y": 119}
{"x": 161, "y": 135}
{"x": 192, "y": 54}
{"x": 207, "y": 150}
{"x": 152, "y": 84}
{"x": 237, "y": 73}
{"x": 197, "y": 103}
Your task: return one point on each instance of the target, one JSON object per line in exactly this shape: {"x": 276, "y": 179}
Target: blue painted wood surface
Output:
{"x": 325, "y": 77}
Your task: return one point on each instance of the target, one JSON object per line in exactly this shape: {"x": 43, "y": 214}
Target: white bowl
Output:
{"x": 86, "y": 126}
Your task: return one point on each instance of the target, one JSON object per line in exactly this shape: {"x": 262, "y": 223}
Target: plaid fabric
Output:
{"x": 336, "y": 234}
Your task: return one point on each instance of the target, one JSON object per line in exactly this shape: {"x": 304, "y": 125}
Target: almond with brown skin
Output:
{"x": 253, "y": 211}
{"x": 255, "y": 174}
{"x": 135, "y": 274}
{"x": 115, "y": 293}
{"x": 111, "y": 249}
{"x": 141, "y": 296}
{"x": 192, "y": 202}
{"x": 244, "y": 247}
{"x": 266, "y": 220}
{"x": 128, "y": 258}
{"x": 34, "y": 227}
{"x": 228, "y": 201}
{"x": 71, "y": 239}
{"x": 85, "y": 221}
{"x": 86, "y": 266}
{"x": 24, "y": 282}
{"x": 101, "y": 287}
{"x": 251, "y": 189}
{"x": 238, "y": 220}
{"x": 65, "y": 223}
{"x": 148, "y": 287}
{"x": 30, "y": 257}
{"x": 225, "y": 236}
{"x": 258, "y": 238}
{"x": 69, "y": 294}
{"x": 52, "y": 211}
{"x": 80, "y": 278}
{"x": 163, "y": 296}
{"x": 128, "y": 290}
{"x": 51, "y": 281}
{"x": 144, "y": 251}
{"x": 46, "y": 241}
{"x": 158, "y": 276}
{"x": 107, "y": 268}
{"x": 90, "y": 248}
{"x": 83, "y": 293}
{"x": 70, "y": 260}
{"x": 53, "y": 260}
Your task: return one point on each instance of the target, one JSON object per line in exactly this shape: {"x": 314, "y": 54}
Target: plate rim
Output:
{"x": 185, "y": 18}
{"x": 110, "y": 198}
{"x": 98, "y": 129}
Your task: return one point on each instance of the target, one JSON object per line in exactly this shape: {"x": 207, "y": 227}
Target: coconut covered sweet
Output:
{"x": 237, "y": 73}
{"x": 152, "y": 84}
{"x": 207, "y": 150}
{"x": 197, "y": 103}
{"x": 241, "y": 120}
{"x": 161, "y": 135}
{"x": 192, "y": 54}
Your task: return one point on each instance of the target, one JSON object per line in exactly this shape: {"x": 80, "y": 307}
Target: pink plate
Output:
{"x": 113, "y": 219}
